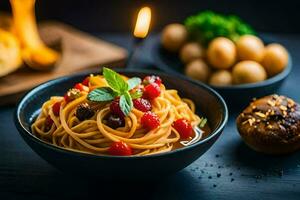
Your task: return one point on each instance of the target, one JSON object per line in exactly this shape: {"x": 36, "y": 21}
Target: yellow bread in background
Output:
{"x": 250, "y": 47}
{"x": 275, "y": 59}
{"x": 6, "y": 22}
{"x": 39, "y": 59}
{"x": 221, "y": 53}
{"x": 248, "y": 72}
{"x": 10, "y": 54}
{"x": 35, "y": 53}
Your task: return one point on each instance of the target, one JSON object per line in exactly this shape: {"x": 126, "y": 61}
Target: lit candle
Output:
{"x": 142, "y": 23}
{"x": 140, "y": 32}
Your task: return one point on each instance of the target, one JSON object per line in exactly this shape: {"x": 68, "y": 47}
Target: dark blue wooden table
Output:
{"x": 229, "y": 170}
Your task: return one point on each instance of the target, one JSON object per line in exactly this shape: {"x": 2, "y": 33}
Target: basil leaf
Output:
{"x": 202, "y": 122}
{"x": 133, "y": 82}
{"x": 101, "y": 94}
{"x": 126, "y": 103}
{"x": 115, "y": 80}
{"x": 137, "y": 94}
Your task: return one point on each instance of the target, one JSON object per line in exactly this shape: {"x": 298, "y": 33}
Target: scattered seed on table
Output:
{"x": 258, "y": 176}
{"x": 280, "y": 173}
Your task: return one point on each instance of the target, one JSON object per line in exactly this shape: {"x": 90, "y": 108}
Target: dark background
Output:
{"x": 113, "y": 16}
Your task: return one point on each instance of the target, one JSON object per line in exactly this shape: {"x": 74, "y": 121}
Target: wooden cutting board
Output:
{"x": 80, "y": 52}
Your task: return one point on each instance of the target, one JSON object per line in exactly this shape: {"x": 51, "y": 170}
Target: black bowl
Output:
{"x": 236, "y": 96}
{"x": 209, "y": 103}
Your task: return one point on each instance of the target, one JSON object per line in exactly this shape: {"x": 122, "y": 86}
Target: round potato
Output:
{"x": 250, "y": 47}
{"x": 248, "y": 72}
{"x": 173, "y": 37}
{"x": 221, "y": 78}
{"x": 191, "y": 51}
{"x": 221, "y": 53}
{"x": 275, "y": 59}
{"x": 198, "y": 70}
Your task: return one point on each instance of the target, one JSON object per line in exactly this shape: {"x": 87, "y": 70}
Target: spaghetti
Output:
{"x": 59, "y": 124}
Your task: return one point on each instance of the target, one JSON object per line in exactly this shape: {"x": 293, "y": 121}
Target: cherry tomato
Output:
{"x": 150, "y": 120}
{"x": 120, "y": 149}
{"x": 86, "y": 81}
{"x": 183, "y": 127}
{"x": 48, "y": 123}
{"x": 56, "y": 108}
{"x": 115, "y": 108}
{"x": 81, "y": 87}
{"x": 152, "y": 79}
{"x": 142, "y": 104}
{"x": 151, "y": 91}
{"x": 67, "y": 98}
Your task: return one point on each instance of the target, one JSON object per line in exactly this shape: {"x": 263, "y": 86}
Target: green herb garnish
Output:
{"x": 126, "y": 103}
{"x": 101, "y": 94}
{"x": 115, "y": 81}
{"x": 137, "y": 94}
{"x": 208, "y": 25}
{"x": 118, "y": 87}
{"x": 133, "y": 82}
{"x": 202, "y": 123}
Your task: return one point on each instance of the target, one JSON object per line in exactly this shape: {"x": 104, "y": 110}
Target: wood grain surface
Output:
{"x": 79, "y": 50}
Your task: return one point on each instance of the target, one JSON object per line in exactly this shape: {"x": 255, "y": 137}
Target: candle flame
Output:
{"x": 142, "y": 23}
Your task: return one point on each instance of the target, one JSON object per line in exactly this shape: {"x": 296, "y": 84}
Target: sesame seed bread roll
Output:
{"x": 271, "y": 125}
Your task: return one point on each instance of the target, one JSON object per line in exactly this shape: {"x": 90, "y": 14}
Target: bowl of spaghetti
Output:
{"x": 129, "y": 123}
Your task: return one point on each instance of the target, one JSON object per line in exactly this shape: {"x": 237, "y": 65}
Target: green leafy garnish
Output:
{"x": 133, "y": 82}
{"x": 118, "y": 87}
{"x": 115, "y": 81}
{"x": 137, "y": 94}
{"x": 202, "y": 123}
{"x": 208, "y": 25}
{"x": 126, "y": 103}
{"x": 101, "y": 94}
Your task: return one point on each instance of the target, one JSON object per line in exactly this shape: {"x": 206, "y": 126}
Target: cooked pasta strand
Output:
{"x": 95, "y": 136}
